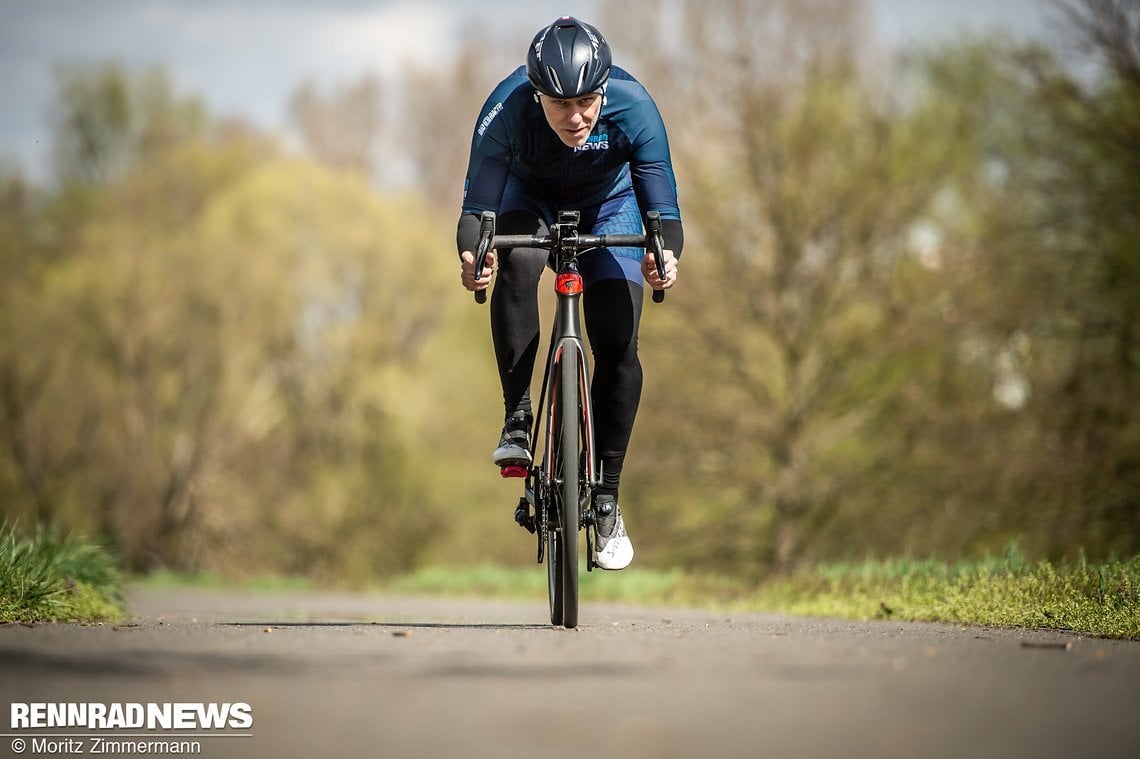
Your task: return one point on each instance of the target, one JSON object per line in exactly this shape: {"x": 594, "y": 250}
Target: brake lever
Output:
{"x": 653, "y": 229}
{"x": 486, "y": 234}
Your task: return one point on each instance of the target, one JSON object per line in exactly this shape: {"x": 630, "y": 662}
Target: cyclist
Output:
{"x": 571, "y": 131}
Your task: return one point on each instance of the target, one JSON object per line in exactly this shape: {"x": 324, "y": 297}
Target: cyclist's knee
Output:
{"x": 521, "y": 267}
{"x": 613, "y": 311}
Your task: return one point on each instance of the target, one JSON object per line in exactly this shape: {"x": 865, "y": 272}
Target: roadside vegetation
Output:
{"x": 50, "y": 576}
{"x": 1098, "y": 599}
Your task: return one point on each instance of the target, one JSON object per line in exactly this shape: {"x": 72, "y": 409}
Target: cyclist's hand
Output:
{"x": 649, "y": 270}
{"x": 468, "y": 273}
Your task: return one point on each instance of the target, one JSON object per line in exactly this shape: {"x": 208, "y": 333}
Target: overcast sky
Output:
{"x": 246, "y": 56}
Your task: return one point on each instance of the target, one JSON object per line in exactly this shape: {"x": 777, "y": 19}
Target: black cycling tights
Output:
{"x": 612, "y": 312}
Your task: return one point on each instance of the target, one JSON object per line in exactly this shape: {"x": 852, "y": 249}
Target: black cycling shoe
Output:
{"x": 514, "y": 444}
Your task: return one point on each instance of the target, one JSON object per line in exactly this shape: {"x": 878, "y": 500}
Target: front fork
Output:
{"x": 534, "y": 510}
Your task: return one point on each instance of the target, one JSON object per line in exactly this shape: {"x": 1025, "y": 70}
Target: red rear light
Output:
{"x": 568, "y": 284}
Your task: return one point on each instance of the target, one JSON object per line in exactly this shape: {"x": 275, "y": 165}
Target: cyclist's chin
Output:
{"x": 573, "y": 139}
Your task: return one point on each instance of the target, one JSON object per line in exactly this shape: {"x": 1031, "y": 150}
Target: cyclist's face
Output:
{"x": 572, "y": 120}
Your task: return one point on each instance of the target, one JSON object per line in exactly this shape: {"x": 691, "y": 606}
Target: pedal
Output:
{"x": 523, "y": 516}
{"x": 513, "y": 471}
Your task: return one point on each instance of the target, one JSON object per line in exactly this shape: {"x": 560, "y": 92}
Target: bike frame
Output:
{"x": 560, "y": 489}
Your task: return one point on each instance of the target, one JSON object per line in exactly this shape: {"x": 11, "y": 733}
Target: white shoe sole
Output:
{"x": 618, "y": 551}
{"x": 511, "y": 456}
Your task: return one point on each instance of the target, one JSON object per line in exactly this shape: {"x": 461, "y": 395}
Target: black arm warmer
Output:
{"x": 673, "y": 236}
{"x": 467, "y": 233}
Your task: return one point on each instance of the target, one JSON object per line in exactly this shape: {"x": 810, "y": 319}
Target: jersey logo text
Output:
{"x": 486, "y": 122}
{"x": 595, "y": 142}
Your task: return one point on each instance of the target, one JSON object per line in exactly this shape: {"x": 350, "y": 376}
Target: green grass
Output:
{"x": 51, "y": 576}
{"x": 163, "y": 579}
{"x": 643, "y": 586}
{"x": 1099, "y": 599}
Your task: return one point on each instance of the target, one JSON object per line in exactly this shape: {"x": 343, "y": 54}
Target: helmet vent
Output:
{"x": 555, "y": 80}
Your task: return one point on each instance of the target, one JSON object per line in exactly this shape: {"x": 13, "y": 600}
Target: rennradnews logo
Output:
{"x": 132, "y": 716}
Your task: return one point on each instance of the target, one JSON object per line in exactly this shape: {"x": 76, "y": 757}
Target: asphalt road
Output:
{"x": 372, "y": 676}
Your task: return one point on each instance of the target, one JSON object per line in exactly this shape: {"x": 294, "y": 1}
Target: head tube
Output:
{"x": 568, "y": 283}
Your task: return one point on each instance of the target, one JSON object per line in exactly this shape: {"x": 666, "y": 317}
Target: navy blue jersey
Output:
{"x": 628, "y": 146}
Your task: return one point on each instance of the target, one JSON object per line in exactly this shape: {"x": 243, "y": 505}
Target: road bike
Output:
{"x": 557, "y": 502}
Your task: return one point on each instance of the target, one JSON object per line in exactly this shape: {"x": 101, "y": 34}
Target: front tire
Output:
{"x": 569, "y": 451}
{"x": 554, "y": 561}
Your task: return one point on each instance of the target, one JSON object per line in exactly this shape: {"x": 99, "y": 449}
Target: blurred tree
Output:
{"x": 1087, "y": 218}
{"x": 801, "y": 185}
{"x": 1046, "y": 223}
{"x": 29, "y": 472}
{"x": 109, "y": 121}
{"x": 915, "y": 313}
{"x": 437, "y": 149}
{"x": 1105, "y": 426}
{"x": 332, "y": 301}
{"x": 341, "y": 129}
{"x": 204, "y": 357}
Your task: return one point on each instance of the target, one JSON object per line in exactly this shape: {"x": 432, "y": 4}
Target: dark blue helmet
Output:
{"x": 568, "y": 58}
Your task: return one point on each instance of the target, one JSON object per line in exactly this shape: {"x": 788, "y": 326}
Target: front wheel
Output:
{"x": 554, "y": 561}
{"x": 570, "y": 426}
{"x": 563, "y": 541}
